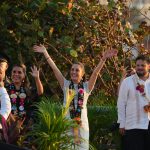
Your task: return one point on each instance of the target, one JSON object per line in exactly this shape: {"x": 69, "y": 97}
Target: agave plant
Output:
{"x": 50, "y": 131}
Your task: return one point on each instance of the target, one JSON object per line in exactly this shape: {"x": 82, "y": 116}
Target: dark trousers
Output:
{"x": 136, "y": 139}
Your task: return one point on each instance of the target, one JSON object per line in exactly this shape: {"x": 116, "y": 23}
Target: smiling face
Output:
{"x": 142, "y": 67}
{"x": 17, "y": 75}
{"x": 76, "y": 73}
{"x": 3, "y": 68}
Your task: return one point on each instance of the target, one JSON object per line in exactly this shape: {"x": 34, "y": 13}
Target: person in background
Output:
{"x": 133, "y": 119}
{"x": 5, "y": 105}
{"x": 22, "y": 96}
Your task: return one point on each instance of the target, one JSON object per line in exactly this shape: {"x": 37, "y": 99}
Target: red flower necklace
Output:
{"x": 141, "y": 89}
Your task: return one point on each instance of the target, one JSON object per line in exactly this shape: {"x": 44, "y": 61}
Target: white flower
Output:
{"x": 13, "y": 96}
{"x": 22, "y": 95}
{"x": 21, "y": 108}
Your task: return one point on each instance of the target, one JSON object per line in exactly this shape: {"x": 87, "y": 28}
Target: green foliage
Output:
{"x": 101, "y": 119}
{"x": 51, "y": 128}
{"x": 50, "y": 131}
{"x": 72, "y": 30}
{"x": 102, "y": 98}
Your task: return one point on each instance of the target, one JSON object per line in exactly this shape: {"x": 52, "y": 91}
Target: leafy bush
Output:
{"x": 102, "y": 98}
{"x": 103, "y": 129}
{"x": 72, "y": 30}
{"x": 51, "y": 128}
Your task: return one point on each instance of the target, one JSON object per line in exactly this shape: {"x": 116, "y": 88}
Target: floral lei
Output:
{"x": 17, "y": 100}
{"x": 141, "y": 88}
{"x": 75, "y": 112}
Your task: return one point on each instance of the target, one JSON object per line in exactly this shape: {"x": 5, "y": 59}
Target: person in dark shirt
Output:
{"x": 22, "y": 96}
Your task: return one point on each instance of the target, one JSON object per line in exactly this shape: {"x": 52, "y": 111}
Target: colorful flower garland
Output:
{"x": 141, "y": 89}
{"x": 17, "y": 100}
{"x": 75, "y": 112}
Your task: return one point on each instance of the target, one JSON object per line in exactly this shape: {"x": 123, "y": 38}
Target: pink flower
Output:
{"x": 140, "y": 88}
{"x": 80, "y": 102}
{"x": 81, "y": 91}
{"x": 14, "y": 100}
{"x": 21, "y": 103}
{"x": 22, "y": 99}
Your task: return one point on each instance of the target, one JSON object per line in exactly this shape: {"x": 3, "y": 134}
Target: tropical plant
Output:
{"x": 50, "y": 125}
{"x": 51, "y": 128}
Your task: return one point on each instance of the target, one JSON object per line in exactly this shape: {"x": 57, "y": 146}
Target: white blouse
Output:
{"x": 5, "y": 105}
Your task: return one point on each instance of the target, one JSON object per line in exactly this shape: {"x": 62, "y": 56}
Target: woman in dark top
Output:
{"x": 22, "y": 95}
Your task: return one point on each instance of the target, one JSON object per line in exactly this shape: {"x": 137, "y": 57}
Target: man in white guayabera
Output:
{"x": 5, "y": 105}
{"x": 134, "y": 107}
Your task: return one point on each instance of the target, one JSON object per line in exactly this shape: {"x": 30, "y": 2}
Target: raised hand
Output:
{"x": 58, "y": 74}
{"x": 110, "y": 53}
{"x": 34, "y": 72}
{"x": 39, "y": 49}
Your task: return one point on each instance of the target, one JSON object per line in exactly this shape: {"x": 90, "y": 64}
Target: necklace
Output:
{"x": 17, "y": 98}
{"x": 141, "y": 89}
{"x": 75, "y": 111}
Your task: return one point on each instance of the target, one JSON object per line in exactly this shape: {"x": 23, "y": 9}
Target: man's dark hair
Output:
{"x": 143, "y": 57}
{"x": 4, "y": 58}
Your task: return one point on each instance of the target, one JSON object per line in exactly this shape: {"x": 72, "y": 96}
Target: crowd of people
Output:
{"x": 17, "y": 97}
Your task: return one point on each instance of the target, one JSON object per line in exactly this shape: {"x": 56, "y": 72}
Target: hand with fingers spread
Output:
{"x": 34, "y": 72}
{"x": 39, "y": 49}
{"x": 109, "y": 53}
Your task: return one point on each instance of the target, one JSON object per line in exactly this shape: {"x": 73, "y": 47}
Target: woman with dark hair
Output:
{"x": 22, "y": 96}
{"x": 77, "y": 109}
